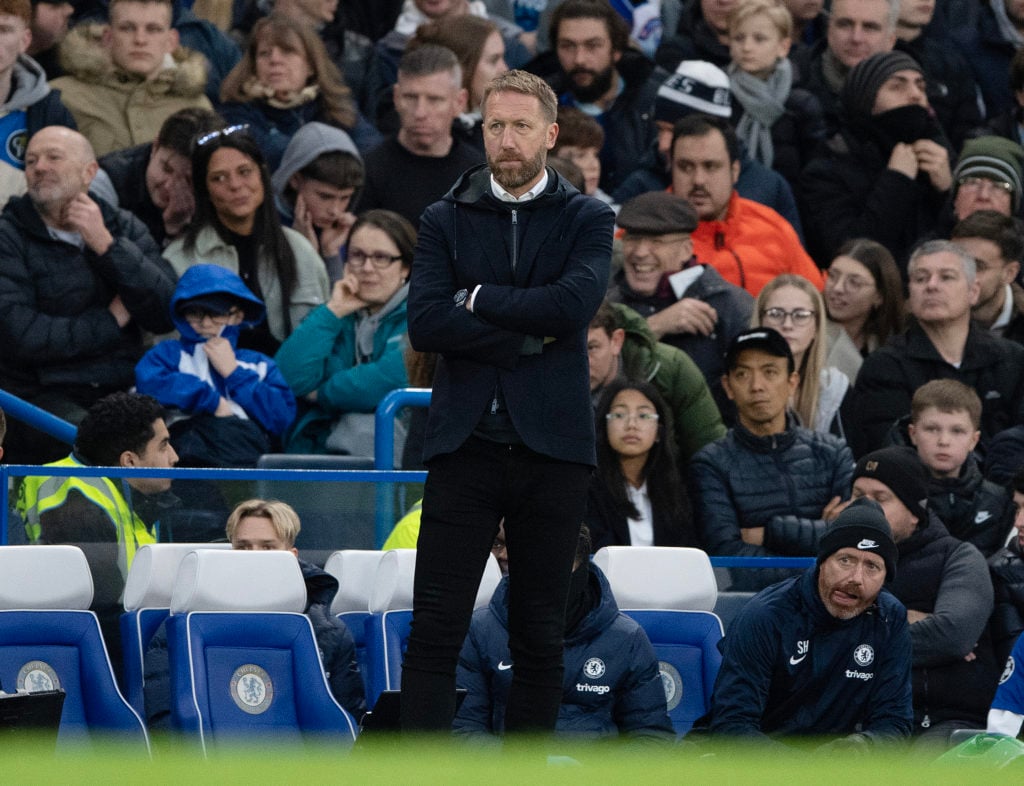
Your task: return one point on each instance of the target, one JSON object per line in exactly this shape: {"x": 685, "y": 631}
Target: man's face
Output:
{"x": 916, "y": 13}
{"x": 257, "y": 533}
{"x": 603, "y": 352}
{"x": 168, "y": 176}
{"x": 157, "y": 454}
{"x": 140, "y": 36}
{"x": 940, "y": 293}
{"x": 993, "y": 272}
{"x": 976, "y": 192}
{"x": 901, "y": 521}
{"x": 804, "y": 10}
{"x": 49, "y": 24}
{"x": 427, "y": 106}
{"x": 904, "y": 88}
{"x": 1018, "y": 520}
{"x": 436, "y": 9}
{"x": 760, "y": 385}
{"x": 517, "y": 138}
{"x": 648, "y": 257}
{"x": 858, "y": 29}
{"x": 849, "y": 581}
{"x": 326, "y": 203}
{"x": 943, "y": 440}
{"x": 14, "y": 40}
{"x": 585, "y": 53}
{"x": 54, "y": 170}
{"x": 716, "y": 13}
{"x": 703, "y": 174}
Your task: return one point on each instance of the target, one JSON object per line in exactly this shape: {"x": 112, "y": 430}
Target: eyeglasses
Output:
{"x": 357, "y": 258}
{"x": 197, "y": 314}
{"x": 777, "y": 316}
{"x": 207, "y": 138}
{"x": 641, "y": 418}
{"x": 972, "y": 181}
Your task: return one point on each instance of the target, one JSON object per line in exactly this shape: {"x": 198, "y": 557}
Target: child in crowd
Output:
{"x": 944, "y": 426}
{"x": 781, "y": 126}
{"x": 231, "y": 404}
{"x": 580, "y": 139}
{"x": 320, "y": 173}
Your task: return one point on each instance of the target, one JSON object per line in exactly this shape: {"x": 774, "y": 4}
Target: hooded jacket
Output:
{"x": 179, "y": 374}
{"x": 115, "y": 109}
{"x": 626, "y": 699}
{"x": 309, "y": 143}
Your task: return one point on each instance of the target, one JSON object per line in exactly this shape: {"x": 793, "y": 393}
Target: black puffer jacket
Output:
{"x": 1007, "y": 569}
{"x": 972, "y": 508}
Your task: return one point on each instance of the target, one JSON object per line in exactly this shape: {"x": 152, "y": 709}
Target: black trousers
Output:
{"x": 466, "y": 495}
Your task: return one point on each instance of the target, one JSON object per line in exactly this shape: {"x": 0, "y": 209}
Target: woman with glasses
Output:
{"x": 790, "y": 304}
{"x": 348, "y": 354}
{"x": 864, "y": 298}
{"x": 236, "y": 226}
{"x": 637, "y": 497}
{"x": 283, "y": 81}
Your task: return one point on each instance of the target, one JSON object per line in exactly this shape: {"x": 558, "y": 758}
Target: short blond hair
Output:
{"x": 518, "y": 81}
{"x": 776, "y": 12}
{"x": 281, "y": 515}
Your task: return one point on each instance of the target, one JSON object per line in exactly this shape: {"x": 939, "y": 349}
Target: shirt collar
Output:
{"x": 505, "y": 196}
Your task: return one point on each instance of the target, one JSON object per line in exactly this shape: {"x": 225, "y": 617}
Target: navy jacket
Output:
{"x": 559, "y": 245}
{"x": 626, "y": 698}
{"x": 790, "y": 668}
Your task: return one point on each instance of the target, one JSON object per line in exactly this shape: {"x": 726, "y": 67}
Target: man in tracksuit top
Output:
{"x": 823, "y": 654}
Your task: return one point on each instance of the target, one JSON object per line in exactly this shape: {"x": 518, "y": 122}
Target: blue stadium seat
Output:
{"x": 49, "y": 639}
{"x": 355, "y": 570}
{"x": 147, "y": 603}
{"x": 245, "y": 666}
{"x": 670, "y": 592}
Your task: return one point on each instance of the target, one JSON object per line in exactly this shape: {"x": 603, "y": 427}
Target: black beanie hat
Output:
{"x": 862, "y": 525}
{"x": 901, "y": 470}
{"x": 865, "y": 79}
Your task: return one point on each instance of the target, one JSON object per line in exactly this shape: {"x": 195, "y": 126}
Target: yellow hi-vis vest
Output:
{"x": 38, "y": 494}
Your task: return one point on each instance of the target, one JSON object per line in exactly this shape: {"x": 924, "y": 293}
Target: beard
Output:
{"x": 511, "y": 178}
{"x": 846, "y": 612}
{"x": 600, "y": 83}
{"x": 52, "y": 194}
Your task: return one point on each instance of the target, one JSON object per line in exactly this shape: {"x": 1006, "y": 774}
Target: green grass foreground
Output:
{"x": 24, "y": 762}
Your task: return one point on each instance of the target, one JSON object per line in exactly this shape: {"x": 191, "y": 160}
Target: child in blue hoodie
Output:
{"x": 228, "y": 405}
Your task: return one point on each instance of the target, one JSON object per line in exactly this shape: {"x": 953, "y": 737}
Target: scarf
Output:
{"x": 367, "y": 323}
{"x": 1006, "y": 27}
{"x": 763, "y": 102}
{"x": 257, "y": 90}
{"x": 833, "y": 71}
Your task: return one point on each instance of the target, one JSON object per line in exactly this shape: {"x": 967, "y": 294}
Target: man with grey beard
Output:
{"x": 79, "y": 283}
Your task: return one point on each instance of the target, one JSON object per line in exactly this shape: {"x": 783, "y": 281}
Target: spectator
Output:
{"x": 1009, "y": 122}
{"x": 769, "y": 487}
{"x": 747, "y": 243}
{"x": 162, "y": 199}
{"x": 236, "y": 226}
{"x": 886, "y": 174}
{"x": 944, "y": 584}
{"x": 284, "y": 81}
{"x": 940, "y": 344}
{"x": 826, "y": 653}
{"x": 413, "y": 169}
{"x": 347, "y": 354}
{"x": 28, "y": 102}
{"x": 989, "y": 39}
{"x": 997, "y": 245}
{"x": 81, "y": 282}
{"x": 626, "y": 700}
{"x": 1006, "y": 567}
{"x": 620, "y": 346}
{"x": 233, "y": 403}
{"x": 687, "y": 305}
{"x": 320, "y": 174}
{"x": 125, "y": 79}
{"x": 781, "y": 126}
{"x": 988, "y": 176}
{"x": 809, "y": 21}
{"x": 269, "y": 525}
{"x": 636, "y": 497}
{"x": 701, "y": 34}
{"x": 49, "y": 25}
{"x": 864, "y": 297}
{"x": 580, "y": 138}
{"x": 791, "y": 305}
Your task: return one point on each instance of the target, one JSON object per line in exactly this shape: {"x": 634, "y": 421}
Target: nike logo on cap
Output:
{"x": 867, "y": 544}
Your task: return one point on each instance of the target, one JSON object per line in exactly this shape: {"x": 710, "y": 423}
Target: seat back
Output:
{"x": 147, "y": 602}
{"x": 244, "y": 659}
{"x": 48, "y": 639}
{"x": 355, "y": 570}
{"x": 670, "y": 593}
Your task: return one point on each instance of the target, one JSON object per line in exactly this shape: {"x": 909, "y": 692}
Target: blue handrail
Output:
{"x": 37, "y": 418}
{"x": 384, "y": 425}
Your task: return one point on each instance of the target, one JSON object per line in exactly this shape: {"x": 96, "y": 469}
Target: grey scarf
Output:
{"x": 366, "y": 324}
{"x": 763, "y": 102}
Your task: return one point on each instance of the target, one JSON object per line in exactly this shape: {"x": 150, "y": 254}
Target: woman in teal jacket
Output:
{"x": 347, "y": 355}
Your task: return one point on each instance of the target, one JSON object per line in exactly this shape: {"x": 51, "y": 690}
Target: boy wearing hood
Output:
{"x": 234, "y": 403}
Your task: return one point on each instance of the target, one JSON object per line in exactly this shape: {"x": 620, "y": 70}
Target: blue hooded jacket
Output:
{"x": 178, "y": 373}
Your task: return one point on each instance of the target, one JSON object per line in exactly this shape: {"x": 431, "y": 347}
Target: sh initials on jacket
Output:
{"x": 802, "y": 648}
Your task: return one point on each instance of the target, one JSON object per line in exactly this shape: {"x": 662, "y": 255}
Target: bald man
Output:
{"x": 80, "y": 281}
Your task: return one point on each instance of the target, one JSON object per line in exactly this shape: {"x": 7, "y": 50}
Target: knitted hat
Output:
{"x": 657, "y": 213}
{"x": 765, "y": 339}
{"x": 995, "y": 158}
{"x": 696, "y": 86}
{"x": 862, "y": 525}
{"x": 865, "y": 79}
{"x": 901, "y": 470}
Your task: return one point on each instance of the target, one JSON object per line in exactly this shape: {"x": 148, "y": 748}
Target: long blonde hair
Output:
{"x": 805, "y": 399}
